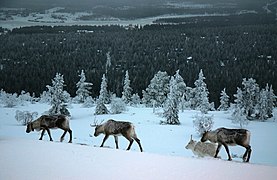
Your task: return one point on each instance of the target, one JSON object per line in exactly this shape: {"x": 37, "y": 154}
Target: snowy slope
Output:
{"x": 30, "y": 159}
{"x": 164, "y": 156}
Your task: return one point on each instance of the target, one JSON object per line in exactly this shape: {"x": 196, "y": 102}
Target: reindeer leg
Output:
{"x": 217, "y": 150}
{"x": 138, "y": 141}
{"x": 70, "y": 133}
{"x": 116, "y": 141}
{"x": 130, "y": 140}
{"x": 105, "y": 138}
{"x": 48, "y": 131}
{"x": 227, "y": 150}
{"x": 42, "y": 133}
{"x": 62, "y": 137}
{"x": 247, "y": 154}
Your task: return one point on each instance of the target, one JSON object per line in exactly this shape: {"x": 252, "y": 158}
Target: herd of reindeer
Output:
{"x": 217, "y": 138}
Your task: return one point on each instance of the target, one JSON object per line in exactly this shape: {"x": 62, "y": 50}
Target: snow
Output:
{"x": 23, "y": 156}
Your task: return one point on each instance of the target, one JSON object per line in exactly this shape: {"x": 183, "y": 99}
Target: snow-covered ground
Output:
{"x": 23, "y": 156}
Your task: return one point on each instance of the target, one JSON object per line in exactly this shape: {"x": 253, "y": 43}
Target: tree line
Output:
{"x": 31, "y": 56}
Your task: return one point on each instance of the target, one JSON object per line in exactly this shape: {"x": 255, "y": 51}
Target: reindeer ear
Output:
{"x": 191, "y": 137}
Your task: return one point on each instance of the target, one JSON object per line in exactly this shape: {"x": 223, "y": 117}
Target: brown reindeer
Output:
{"x": 117, "y": 128}
{"x": 225, "y": 137}
{"x": 47, "y": 122}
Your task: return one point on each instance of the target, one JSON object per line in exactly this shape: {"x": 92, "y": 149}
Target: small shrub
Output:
{"x": 203, "y": 123}
{"x": 24, "y": 117}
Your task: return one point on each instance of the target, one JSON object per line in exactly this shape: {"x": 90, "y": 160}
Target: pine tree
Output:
{"x": 84, "y": 88}
{"x": 157, "y": 90}
{"x": 224, "y": 101}
{"x": 58, "y": 96}
{"x": 127, "y": 90}
{"x": 171, "y": 109}
{"x": 201, "y": 94}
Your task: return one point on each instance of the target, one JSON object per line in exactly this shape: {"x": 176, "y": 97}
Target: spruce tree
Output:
{"x": 201, "y": 94}
{"x": 155, "y": 94}
{"x": 103, "y": 98}
{"x": 224, "y": 101}
{"x": 127, "y": 90}
{"x": 171, "y": 109}
{"x": 181, "y": 87}
{"x": 239, "y": 110}
{"x": 250, "y": 92}
{"x": 103, "y": 91}
{"x": 84, "y": 88}
{"x": 58, "y": 96}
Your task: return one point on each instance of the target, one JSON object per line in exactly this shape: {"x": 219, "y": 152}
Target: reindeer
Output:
{"x": 46, "y": 122}
{"x": 201, "y": 149}
{"x": 225, "y": 137}
{"x": 117, "y": 128}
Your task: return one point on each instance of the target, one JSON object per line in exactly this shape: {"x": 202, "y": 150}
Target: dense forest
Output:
{"x": 31, "y": 56}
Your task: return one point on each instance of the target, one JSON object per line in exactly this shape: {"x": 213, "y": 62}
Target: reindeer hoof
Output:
{"x": 69, "y": 141}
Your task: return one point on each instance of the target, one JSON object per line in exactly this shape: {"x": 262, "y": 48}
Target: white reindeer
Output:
{"x": 201, "y": 149}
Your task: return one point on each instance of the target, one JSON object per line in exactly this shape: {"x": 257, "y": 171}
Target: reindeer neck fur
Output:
{"x": 212, "y": 136}
{"x": 36, "y": 125}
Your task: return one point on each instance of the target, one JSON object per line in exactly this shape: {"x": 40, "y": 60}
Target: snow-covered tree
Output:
{"x": 104, "y": 95}
{"x": 9, "y": 100}
{"x": 201, "y": 94}
{"x": 238, "y": 108}
{"x": 103, "y": 98}
{"x": 127, "y": 90}
{"x": 89, "y": 102}
{"x": 108, "y": 61}
{"x": 135, "y": 100}
{"x": 100, "y": 107}
{"x": 157, "y": 90}
{"x": 84, "y": 88}
{"x": 58, "y": 97}
{"x": 171, "y": 109}
{"x": 271, "y": 100}
{"x": 45, "y": 97}
{"x": 203, "y": 123}
{"x": 181, "y": 87}
{"x": 264, "y": 107}
{"x": 250, "y": 92}
{"x": 117, "y": 105}
{"x": 24, "y": 97}
{"x": 224, "y": 101}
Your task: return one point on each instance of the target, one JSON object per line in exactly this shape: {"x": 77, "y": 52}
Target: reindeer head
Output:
{"x": 205, "y": 136}
{"x": 29, "y": 127}
{"x": 191, "y": 143}
{"x": 98, "y": 127}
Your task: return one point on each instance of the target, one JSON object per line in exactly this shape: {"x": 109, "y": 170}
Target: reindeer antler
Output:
{"x": 95, "y": 122}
